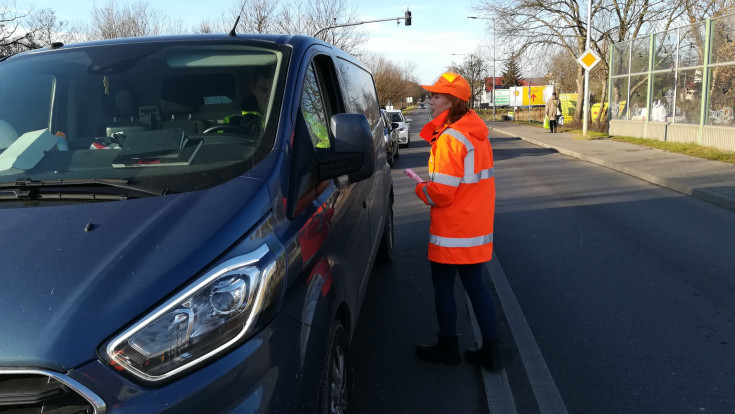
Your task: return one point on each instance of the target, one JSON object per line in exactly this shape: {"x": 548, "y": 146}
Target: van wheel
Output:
{"x": 334, "y": 386}
{"x": 385, "y": 250}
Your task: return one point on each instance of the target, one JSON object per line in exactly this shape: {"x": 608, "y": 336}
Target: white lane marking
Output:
{"x": 542, "y": 383}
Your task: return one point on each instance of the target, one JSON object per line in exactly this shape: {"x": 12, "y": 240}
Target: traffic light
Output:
{"x": 408, "y": 18}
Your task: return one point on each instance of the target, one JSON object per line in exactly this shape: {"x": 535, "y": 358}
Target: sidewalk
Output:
{"x": 712, "y": 181}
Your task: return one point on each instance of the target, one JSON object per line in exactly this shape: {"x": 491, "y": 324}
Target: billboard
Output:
{"x": 522, "y": 96}
{"x": 502, "y": 97}
{"x": 568, "y": 106}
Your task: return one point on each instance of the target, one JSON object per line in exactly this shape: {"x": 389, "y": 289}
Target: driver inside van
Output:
{"x": 253, "y": 119}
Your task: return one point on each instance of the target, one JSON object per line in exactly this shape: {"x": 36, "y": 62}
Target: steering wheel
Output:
{"x": 241, "y": 131}
{"x": 238, "y": 129}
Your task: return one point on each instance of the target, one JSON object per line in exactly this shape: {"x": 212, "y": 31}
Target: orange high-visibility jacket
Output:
{"x": 460, "y": 190}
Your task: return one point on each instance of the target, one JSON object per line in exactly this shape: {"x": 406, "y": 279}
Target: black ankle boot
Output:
{"x": 487, "y": 356}
{"x": 446, "y": 351}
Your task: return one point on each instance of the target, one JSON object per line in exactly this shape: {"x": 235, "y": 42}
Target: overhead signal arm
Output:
{"x": 406, "y": 17}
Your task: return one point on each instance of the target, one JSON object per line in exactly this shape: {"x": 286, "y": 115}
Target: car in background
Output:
{"x": 200, "y": 215}
{"x": 391, "y": 138}
{"x": 422, "y": 106}
{"x": 396, "y": 117}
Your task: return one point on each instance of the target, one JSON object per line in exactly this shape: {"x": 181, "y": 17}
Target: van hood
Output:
{"x": 66, "y": 290}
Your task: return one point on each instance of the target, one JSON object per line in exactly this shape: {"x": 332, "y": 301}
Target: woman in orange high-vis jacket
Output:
{"x": 461, "y": 193}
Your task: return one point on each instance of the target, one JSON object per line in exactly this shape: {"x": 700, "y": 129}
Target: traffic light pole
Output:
{"x": 406, "y": 17}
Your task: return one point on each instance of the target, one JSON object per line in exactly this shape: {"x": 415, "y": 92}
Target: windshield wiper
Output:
{"x": 26, "y": 188}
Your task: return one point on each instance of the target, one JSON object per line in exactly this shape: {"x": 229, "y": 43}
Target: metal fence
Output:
{"x": 678, "y": 84}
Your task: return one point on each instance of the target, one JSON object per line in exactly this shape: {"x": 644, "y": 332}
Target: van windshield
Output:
{"x": 396, "y": 117}
{"x": 178, "y": 116}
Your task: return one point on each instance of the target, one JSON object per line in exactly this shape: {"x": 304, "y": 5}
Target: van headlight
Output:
{"x": 222, "y": 308}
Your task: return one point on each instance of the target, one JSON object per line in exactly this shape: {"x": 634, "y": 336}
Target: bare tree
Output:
{"x": 473, "y": 70}
{"x": 311, "y": 16}
{"x": 562, "y": 71}
{"x": 46, "y": 28}
{"x": 294, "y": 17}
{"x": 14, "y": 37}
{"x": 256, "y": 16}
{"x": 137, "y": 19}
{"x": 206, "y": 26}
{"x": 392, "y": 82}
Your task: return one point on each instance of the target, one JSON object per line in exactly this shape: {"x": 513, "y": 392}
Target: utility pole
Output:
{"x": 493, "y": 70}
{"x": 585, "y": 122}
{"x": 493, "y": 93}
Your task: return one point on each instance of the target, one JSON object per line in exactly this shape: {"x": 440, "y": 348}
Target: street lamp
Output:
{"x": 493, "y": 93}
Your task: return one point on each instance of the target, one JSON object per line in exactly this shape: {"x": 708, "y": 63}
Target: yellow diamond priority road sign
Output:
{"x": 588, "y": 59}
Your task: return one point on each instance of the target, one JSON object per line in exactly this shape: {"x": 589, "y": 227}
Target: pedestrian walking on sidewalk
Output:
{"x": 461, "y": 194}
{"x": 553, "y": 109}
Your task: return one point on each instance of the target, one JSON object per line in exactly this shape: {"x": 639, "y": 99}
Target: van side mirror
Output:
{"x": 353, "y": 152}
{"x": 395, "y": 125}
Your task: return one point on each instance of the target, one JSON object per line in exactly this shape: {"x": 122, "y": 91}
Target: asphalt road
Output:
{"x": 399, "y": 313}
{"x": 627, "y": 288}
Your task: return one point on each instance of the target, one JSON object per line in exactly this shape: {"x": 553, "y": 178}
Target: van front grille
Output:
{"x": 41, "y": 392}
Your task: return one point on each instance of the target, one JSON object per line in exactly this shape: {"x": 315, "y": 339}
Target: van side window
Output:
{"x": 363, "y": 99}
{"x": 312, "y": 107}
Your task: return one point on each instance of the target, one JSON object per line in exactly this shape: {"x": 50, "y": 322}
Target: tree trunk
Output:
{"x": 603, "y": 100}
{"x": 580, "y": 93}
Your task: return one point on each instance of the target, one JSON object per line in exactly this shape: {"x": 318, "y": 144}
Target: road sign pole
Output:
{"x": 585, "y": 122}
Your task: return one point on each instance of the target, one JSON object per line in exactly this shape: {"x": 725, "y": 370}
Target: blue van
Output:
{"x": 189, "y": 224}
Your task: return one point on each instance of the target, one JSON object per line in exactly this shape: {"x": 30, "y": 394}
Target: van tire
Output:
{"x": 335, "y": 380}
{"x": 385, "y": 250}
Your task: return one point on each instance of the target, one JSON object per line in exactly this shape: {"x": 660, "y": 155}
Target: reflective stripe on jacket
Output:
{"x": 460, "y": 190}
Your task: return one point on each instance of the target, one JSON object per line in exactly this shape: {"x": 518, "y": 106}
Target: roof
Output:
{"x": 296, "y": 41}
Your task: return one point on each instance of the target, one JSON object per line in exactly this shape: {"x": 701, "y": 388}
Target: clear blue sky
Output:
{"x": 439, "y": 28}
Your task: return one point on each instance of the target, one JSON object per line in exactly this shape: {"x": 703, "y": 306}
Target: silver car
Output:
{"x": 396, "y": 117}
{"x": 390, "y": 133}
